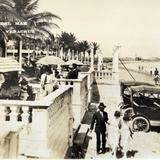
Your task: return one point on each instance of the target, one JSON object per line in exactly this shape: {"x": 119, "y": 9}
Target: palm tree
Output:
{"x": 95, "y": 47}
{"x": 83, "y": 47}
{"x": 40, "y": 23}
{"x": 7, "y": 11}
{"x": 67, "y": 41}
{"x": 3, "y": 39}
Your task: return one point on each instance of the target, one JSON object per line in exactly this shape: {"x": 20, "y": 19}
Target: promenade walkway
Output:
{"x": 110, "y": 95}
{"x": 124, "y": 75}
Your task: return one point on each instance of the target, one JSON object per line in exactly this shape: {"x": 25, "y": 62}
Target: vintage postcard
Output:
{"x": 79, "y": 79}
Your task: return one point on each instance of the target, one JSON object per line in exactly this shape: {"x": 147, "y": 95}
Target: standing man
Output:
{"x": 100, "y": 119}
{"x": 73, "y": 74}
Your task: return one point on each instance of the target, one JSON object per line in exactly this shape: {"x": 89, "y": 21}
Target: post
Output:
{"x": 20, "y": 54}
{"x": 115, "y": 62}
{"x": 100, "y": 61}
{"x": 92, "y": 61}
{"x": 61, "y": 53}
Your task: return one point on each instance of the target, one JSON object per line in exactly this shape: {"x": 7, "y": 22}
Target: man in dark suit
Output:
{"x": 100, "y": 119}
{"x": 73, "y": 73}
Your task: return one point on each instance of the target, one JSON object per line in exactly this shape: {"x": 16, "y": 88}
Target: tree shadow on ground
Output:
{"x": 85, "y": 146}
{"x": 77, "y": 152}
{"x": 95, "y": 98}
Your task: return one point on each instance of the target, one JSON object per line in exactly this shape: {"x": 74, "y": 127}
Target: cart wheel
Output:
{"x": 140, "y": 124}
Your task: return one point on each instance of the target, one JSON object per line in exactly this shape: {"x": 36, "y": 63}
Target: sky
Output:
{"x": 133, "y": 24}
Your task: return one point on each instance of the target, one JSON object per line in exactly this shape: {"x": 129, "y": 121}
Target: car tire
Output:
{"x": 140, "y": 123}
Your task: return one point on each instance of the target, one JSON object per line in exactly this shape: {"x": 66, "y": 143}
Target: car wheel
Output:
{"x": 128, "y": 112}
{"x": 140, "y": 124}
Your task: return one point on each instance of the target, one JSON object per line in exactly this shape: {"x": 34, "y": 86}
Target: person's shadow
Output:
{"x": 130, "y": 154}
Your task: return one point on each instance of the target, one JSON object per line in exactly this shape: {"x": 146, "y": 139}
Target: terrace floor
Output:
{"x": 142, "y": 145}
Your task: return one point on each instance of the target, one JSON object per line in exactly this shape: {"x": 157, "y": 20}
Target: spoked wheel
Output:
{"x": 140, "y": 124}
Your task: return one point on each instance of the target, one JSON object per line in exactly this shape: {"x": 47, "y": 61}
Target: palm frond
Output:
{"x": 47, "y": 24}
{"x": 42, "y": 31}
{"x": 7, "y": 2}
{"x": 9, "y": 11}
{"x": 33, "y": 6}
{"x": 3, "y": 32}
{"x": 43, "y": 16}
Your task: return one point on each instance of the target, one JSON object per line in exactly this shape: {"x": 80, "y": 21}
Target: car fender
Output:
{"x": 126, "y": 106}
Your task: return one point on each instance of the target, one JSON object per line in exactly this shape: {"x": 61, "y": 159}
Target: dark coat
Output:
{"x": 73, "y": 74}
{"x": 100, "y": 125}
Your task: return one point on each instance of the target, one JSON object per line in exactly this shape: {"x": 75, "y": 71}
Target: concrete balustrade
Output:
{"x": 50, "y": 132}
{"x": 104, "y": 76}
{"x": 90, "y": 80}
{"x": 79, "y": 98}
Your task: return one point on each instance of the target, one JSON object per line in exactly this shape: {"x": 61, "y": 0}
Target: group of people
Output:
{"x": 48, "y": 80}
{"x": 15, "y": 86}
{"x": 50, "y": 75}
{"x": 118, "y": 131}
{"x": 154, "y": 73}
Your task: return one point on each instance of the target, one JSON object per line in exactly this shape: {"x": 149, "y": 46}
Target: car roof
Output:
{"x": 134, "y": 83}
{"x": 146, "y": 88}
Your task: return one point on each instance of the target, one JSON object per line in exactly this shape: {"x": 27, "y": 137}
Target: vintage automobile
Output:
{"x": 145, "y": 101}
{"x": 125, "y": 106}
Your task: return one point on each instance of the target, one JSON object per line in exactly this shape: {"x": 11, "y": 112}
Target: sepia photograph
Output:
{"x": 79, "y": 79}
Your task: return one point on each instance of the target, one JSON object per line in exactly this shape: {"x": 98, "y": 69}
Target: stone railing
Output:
{"x": 25, "y": 51}
{"x": 47, "y": 124}
{"x": 105, "y": 76}
{"x": 90, "y": 80}
{"x": 79, "y": 98}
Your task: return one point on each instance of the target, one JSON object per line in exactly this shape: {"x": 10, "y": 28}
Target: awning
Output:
{"x": 8, "y": 64}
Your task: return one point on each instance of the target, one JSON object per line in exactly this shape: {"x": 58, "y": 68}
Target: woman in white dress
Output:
{"x": 126, "y": 134}
{"x": 114, "y": 132}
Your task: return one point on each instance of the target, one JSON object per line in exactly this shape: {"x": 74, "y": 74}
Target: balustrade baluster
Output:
{"x": 30, "y": 115}
{"x": 104, "y": 75}
{"x": 2, "y": 113}
{"x": 25, "y": 114}
{"x": 7, "y": 113}
{"x": 13, "y": 114}
{"x": 111, "y": 76}
{"x": 19, "y": 116}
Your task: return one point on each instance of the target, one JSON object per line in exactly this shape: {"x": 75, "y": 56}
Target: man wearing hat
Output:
{"x": 100, "y": 119}
{"x": 73, "y": 73}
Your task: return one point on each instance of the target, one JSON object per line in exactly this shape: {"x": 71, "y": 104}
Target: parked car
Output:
{"x": 125, "y": 106}
{"x": 145, "y": 101}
